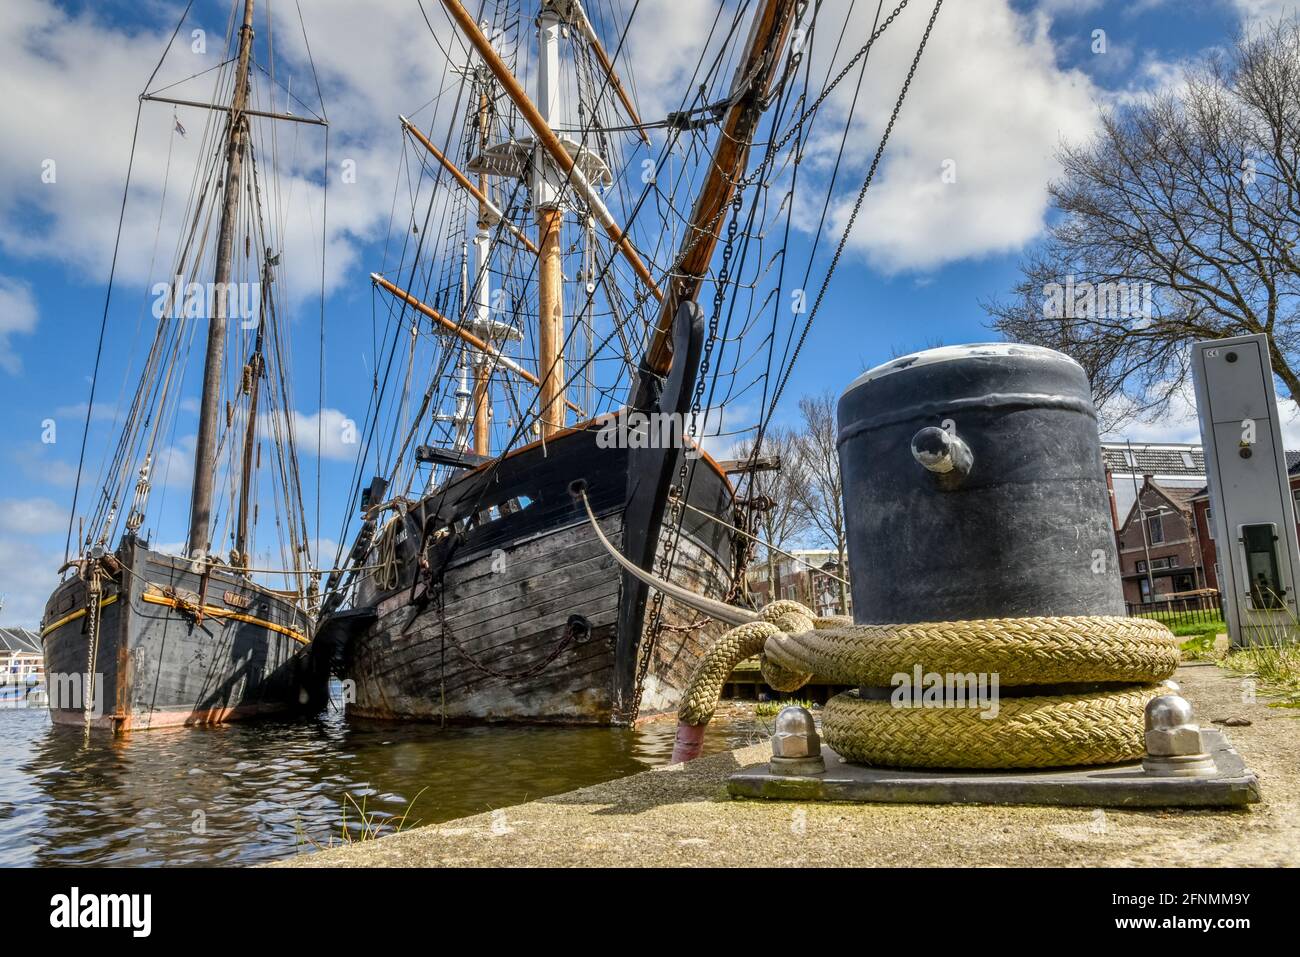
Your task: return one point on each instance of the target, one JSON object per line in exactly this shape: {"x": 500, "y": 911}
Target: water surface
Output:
{"x": 258, "y": 791}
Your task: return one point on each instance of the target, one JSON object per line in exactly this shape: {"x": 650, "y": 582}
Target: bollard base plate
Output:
{"x": 1231, "y": 784}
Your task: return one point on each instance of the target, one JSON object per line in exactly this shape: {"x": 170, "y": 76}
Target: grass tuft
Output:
{"x": 373, "y": 825}
{"x": 770, "y": 709}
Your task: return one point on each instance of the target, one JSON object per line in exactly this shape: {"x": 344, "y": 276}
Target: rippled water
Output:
{"x": 257, "y": 791}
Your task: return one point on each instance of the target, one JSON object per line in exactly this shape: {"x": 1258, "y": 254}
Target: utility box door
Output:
{"x": 1250, "y": 491}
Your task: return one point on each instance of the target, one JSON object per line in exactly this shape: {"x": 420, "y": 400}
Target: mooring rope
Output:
{"x": 1076, "y": 726}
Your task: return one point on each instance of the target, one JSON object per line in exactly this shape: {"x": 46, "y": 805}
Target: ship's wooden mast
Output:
{"x": 483, "y": 292}
{"x": 571, "y": 172}
{"x": 444, "y": 324}
{"x": 574, "y": 11}
{"x": 253, "y": 371}
{"x": 549, "y": 209}
{"x": 205, "y": 453}
{"x": 485, "y": 203}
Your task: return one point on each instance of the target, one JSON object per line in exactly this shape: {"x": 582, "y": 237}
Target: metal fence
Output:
{"x": 1192, "y": 610}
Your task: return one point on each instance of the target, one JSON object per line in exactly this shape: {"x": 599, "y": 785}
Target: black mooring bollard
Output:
{"x": 974, "y": 488}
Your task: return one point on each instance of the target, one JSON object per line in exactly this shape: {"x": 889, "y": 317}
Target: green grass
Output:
{"x": 1199, "y": 647}
{"x": 1275, "y": 666}
{"x": 1171, "y": 620}
{"x": 1273, "y": 661}
{"x": 1215, "y": 626}
{"x": 373, "y": 825}
{"x": 770, "y": 709}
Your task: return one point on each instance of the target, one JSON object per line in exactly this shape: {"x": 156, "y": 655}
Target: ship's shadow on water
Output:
{"x": 262, "y": 790}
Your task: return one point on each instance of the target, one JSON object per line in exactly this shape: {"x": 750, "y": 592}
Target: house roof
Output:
{"x": 1178, "y": 498}
{"x": 1154, "y": 459}
{"x": 19, "y": 639}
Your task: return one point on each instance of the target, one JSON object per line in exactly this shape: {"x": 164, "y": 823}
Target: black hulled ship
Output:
{"x": 135, "y": 637}
{"x": 483, "y": 592}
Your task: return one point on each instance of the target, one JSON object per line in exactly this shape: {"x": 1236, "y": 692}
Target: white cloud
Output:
{"x": 1069, "y": 6}
{"x": 663, "y": 72}
{"x": 1180, "y": 423}
{"x": 17, "y": 315}
{"x": 173, "y": 466}
{"x": 36, "y": 461}
{"x": 71, "y": 82}
{"x": 32, "y": 516}
{"x": 989, "y": 98}
{"x": 28, "y": 574}
{"x": 330, "y": 433}
{"x": 1253, "y": 11}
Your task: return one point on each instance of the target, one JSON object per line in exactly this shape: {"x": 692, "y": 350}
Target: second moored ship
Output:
{"x": 135, "y": 637}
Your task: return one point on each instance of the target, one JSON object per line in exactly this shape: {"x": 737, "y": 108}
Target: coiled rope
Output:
{"x": 1076, "y": 725}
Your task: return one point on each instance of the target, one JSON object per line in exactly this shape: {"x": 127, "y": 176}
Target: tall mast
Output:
{"x": 482, "y": 284}
{"x": 548, "y": 208}
{"x": 205, "y": 453}
{"x": 463, "y": 419}
{"x": 253, "y": 381}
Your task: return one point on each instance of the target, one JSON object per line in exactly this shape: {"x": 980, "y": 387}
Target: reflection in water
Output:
{"x": 257, "y": 791}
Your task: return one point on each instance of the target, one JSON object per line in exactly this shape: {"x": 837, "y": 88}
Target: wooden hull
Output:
{"x": 157, "y": 664}
{"x": 522, "y": 619}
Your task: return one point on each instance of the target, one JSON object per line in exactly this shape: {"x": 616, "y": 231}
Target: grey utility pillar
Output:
{"x": 1253, "y": 518}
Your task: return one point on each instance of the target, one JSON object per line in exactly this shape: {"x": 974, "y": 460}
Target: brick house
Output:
{"x": 1171, "y": 465}
{"x": 1203, "y": 517}
{"x": 1159, "y": 548}
{"x": 812, "y": 586}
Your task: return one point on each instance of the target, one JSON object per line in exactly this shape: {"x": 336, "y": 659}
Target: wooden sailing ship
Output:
{"x": 484, "y": 591}
{"x": 489, "y": 597}
{"x": 136, "y": 638}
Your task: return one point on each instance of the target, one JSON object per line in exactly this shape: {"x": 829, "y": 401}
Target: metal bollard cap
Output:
{"x": 796, "y": 734}
{"x": 1168, "y": 711}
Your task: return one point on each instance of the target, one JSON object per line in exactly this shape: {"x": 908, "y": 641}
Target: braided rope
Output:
{"x": 1084, "y": 727}
{"x": 1021, "y": 651}
{"x": 1043, "y": 731}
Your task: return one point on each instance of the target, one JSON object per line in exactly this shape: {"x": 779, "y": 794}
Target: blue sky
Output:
{"x": 1003, "y": 82}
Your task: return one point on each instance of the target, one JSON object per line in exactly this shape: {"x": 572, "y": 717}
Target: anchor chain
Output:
{"x": 94, "y": 588}
{"x": 677, "y": 492}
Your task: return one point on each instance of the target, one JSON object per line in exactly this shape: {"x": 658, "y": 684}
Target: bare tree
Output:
{"x": 822, "y": 491}
{"x": 1177, "y": 222}
{"x": 784, "y": 519}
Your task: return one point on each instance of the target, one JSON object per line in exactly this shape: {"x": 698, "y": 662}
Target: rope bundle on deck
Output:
{"x": 1114, "y": 665}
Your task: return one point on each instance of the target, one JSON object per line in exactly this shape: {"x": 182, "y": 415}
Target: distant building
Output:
{"x": 1171, "y": 465}
{"x": 812, "y": 580}
{"x": 1159, "y": 548}
{"x": 1204, "y": 518}
{"x": 22, "y": 663}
